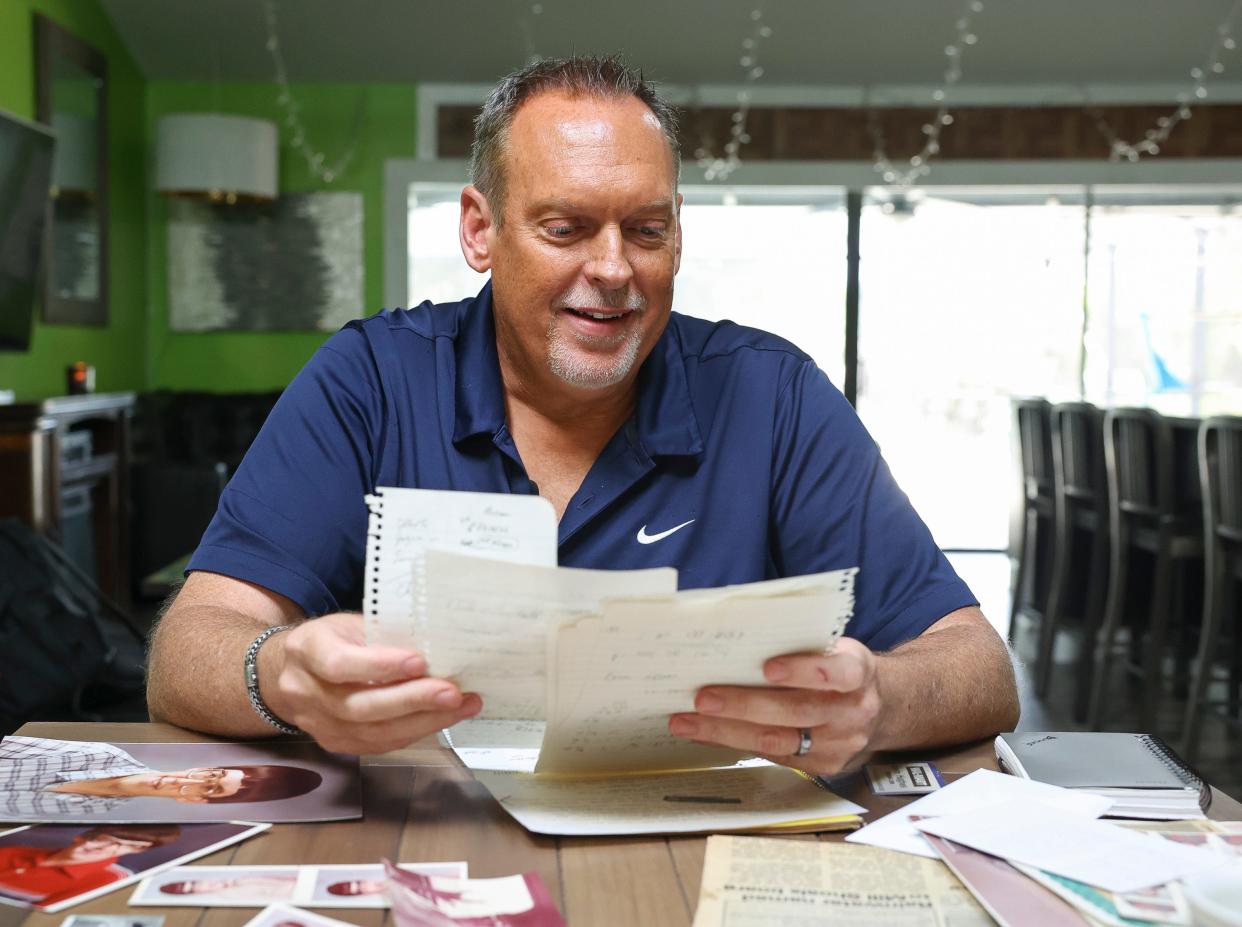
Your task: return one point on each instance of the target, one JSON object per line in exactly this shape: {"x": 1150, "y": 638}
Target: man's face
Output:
{"x": 105, "y": 846}
{"x": 583, "y": 263}
{"x": 187, "y": 785}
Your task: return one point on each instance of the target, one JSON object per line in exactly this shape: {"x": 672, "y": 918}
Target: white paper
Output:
{"x": 690, "y": 802}
{"x": 504, "y": 745}
{"x": 1095, "y": 852}
{"x": 276, "y": 915}
{"x": 616, "y": 678}
{"x": 405, "y": 523}
{"x": 983, "y": 788}
{"x": 485, "y": 623}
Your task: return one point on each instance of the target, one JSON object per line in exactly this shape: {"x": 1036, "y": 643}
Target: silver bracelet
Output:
{"x": 252, "y": 682}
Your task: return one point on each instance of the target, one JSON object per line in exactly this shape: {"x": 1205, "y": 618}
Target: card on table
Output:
{"x": 903, "y": 778}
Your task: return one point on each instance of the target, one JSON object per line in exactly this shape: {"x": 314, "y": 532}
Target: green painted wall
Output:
{"x": 244, "y": 361}
{"x": 117, "y": 350}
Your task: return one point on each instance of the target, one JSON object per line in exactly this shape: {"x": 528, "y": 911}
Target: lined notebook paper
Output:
{"x": 470, "y": 579}
{"x": 406, "y": 523}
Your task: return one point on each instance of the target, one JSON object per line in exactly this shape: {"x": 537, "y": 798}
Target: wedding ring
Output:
{"x": 804, "y": 745}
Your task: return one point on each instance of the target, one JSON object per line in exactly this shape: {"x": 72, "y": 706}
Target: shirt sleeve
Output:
{"x": 836, "y": 505}
{"x": 293, "y": 517}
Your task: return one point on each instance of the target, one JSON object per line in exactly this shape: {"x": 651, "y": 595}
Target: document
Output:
{"x": 734, "y": 799}
{"x": 485, "y": 624}
{"x": 748, "y": 881}
{"x": 615, "y": 678}
{"x": 512, "y": 746}
{"x": 983, "y": 788}
{"x": 405, "y": 523}
{"x": 1095, "y": 852}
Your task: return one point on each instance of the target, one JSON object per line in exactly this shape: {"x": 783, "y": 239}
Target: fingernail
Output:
{"x": 777, "y": 672}
{"x": 414, "y": 666}
{"x": 683, "y": 727}
{"x": 709, "y": 703}
{"x": 448, "y": 698}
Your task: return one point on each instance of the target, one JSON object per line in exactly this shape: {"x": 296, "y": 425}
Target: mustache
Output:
{"x": 604, "y": 299}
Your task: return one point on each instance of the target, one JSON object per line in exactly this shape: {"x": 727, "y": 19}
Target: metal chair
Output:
{"x": 1032, "y": 419}
{"x": 1143, "y": 516}
{"x": 1220, "y": 471}
{"x": 1080, "y": 551}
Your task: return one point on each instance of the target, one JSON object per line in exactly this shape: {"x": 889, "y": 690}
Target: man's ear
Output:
{"x": 191, "y": 799}
{"x": 475, "y": 229}
{"x": 677, "y": 240}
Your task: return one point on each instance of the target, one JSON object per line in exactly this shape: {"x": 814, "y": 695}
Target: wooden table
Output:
{"x": 421, "y": 804}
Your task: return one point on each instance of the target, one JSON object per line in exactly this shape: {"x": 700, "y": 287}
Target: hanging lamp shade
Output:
{"x": 217, "y": 156}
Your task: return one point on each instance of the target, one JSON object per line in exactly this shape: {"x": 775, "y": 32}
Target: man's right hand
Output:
{"x": 320, "y": 675}
{"x": 353, "y": 698}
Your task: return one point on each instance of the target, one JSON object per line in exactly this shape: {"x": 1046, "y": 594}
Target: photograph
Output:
{"x": 364, "y": 886}
{"x": 284, "y": 915}
{"x": 334, "y": 886}
{"x": 113, "y": 920}
{"x": 61, "y": 781}
{"x": 510, "y": 901}
{"x": 221, "y": 886}
{"x": 53, "y": 866}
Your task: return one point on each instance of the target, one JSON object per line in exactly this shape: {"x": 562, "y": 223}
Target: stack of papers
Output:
{"x": 579, "y": 670}
{"x": 1036, "y": 854}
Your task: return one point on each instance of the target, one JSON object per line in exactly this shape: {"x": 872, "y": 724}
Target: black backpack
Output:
{"x": 63, "y": 644}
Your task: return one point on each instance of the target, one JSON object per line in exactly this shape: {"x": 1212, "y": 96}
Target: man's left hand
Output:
{"x": 834, "y": 697}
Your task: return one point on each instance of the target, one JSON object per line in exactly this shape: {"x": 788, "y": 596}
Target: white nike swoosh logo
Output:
{"x": 645, "y": 538}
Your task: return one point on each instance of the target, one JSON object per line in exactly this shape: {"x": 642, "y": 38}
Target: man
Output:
{"x": 659, "y": 439}
{"x": 42, "y": 876}
{"x": 57, "y": 779}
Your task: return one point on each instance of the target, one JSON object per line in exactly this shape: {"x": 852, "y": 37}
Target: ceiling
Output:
{"x": 848, "y": 43}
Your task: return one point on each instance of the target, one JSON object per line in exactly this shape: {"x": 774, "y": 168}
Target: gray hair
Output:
{"x": 580, "y": 75}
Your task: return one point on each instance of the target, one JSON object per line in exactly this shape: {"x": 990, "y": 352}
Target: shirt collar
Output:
{"x": 665, "y": 416}
{"x": 480, "y": 392}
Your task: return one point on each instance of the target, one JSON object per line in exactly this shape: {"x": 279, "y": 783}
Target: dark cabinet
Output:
{"x": 64, "y": 470}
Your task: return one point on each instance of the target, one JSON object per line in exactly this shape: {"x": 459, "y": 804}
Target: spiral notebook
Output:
{"x": 406, "y": 523}
{"x": 1141, "y": 773}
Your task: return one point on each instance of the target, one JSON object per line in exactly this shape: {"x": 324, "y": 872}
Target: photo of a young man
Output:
{"x": 53, "y": 866}
{"x": 41, "y": 876}
{"x": 71, "y": 781}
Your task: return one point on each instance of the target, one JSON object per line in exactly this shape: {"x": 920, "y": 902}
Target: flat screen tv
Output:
{"x": 25, "y": 177}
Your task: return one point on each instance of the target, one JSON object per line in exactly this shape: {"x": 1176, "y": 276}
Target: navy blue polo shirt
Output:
{"x": 737, "y": 437}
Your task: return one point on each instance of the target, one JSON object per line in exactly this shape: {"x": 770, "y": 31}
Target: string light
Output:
{"x": 1223, "y": 44}
{"x": 919, "y": 165}
{"x": 719, "y": 168}
{"x": 316, "y": 161}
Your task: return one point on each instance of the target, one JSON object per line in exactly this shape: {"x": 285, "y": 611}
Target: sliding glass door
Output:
{"x": 967, "y": 298}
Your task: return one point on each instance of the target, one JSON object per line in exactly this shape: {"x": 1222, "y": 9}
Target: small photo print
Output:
{"x": 113, "y": 920}
{"x": 1230, "y": 844}
{"x": 53, "y": 866}
{"x": 259, "y": 886}
{"x": 284, "y": 915}
{"x": 1192, "y": 840}
{"x": 366, "y": 886}
{"x": 220, "y": 886}
{"x": 510, "y": 901}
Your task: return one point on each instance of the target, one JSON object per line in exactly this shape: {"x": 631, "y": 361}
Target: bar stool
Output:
{"x": 1143, "y": 516}
{"x": 1220, "y": 471}
{"x": 1032, "y": 419}
{"x": 1080, "y": 551}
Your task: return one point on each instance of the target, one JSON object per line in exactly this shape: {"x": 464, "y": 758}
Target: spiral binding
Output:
{"x": 1169, "y": 758}
{"x": 371, "y": 578}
